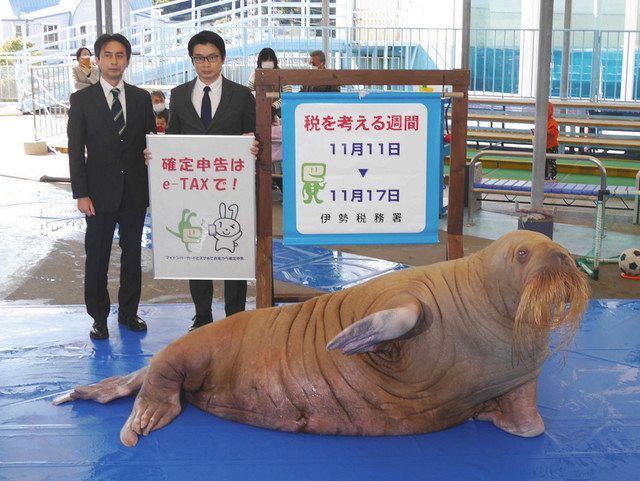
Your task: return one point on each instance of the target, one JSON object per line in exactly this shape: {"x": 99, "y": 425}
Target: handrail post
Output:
{"x": 33, "y": 105}
{"x": 471, "y": 200}
{"x": 636, "y": 202}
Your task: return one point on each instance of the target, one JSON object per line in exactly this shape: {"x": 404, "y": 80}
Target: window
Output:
{"x": 83, "y": 30}
{"x": 50, "y": 32}
{"x": 18, "y": 31}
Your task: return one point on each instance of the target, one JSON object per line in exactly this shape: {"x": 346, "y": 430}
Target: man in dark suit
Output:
{"x": 106, "y": 131}
{"x": 212, "y": 105}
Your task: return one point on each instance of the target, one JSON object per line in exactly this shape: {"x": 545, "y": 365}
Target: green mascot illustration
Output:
{"x": 187, "y": 233}
{"x": 313, "y": 181}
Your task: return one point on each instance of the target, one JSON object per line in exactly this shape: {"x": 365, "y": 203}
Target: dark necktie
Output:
{"x": 116, "y": 111}
{"x": 205, "y": 110}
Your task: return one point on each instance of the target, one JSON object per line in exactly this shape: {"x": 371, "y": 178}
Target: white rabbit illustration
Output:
{"x": 226, "y": 229}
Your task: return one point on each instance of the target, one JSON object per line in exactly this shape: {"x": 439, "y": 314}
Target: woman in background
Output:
{"x": 267, "y": 59}
{"x": 85, "y": 73}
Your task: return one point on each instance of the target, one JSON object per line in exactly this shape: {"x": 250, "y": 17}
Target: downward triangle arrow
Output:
{"x": 363, "y": 172}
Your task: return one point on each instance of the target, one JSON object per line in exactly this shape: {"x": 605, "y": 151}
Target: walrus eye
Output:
{"x": 522, "y": 255}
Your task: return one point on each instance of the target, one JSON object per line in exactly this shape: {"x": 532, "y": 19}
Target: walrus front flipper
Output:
{"x": 158, "y": 401}
{"x": 106, "y": 390}
{"x": 381, "y": 326}
{"x": 515, "y": 412}
{"x": 149, "y": 414}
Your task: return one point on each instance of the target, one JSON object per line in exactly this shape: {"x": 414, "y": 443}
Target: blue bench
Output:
{"x": 561, "y": 190}
{"x": 551, "y": 189}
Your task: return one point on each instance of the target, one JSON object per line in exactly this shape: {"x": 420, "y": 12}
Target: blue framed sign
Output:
{"x": 361, "y": 169}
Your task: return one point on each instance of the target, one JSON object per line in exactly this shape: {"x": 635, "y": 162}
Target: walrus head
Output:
{"x": 553, "y": 293}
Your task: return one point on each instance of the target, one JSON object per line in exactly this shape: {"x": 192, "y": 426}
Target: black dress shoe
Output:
{"x": 199, "y": 321}
{"x": 134, "y": 323}
{"x": 99, "y": 331}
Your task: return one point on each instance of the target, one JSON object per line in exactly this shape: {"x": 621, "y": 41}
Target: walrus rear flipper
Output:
{"x": 388, "y": 325}
{"x": 106, "y": 390}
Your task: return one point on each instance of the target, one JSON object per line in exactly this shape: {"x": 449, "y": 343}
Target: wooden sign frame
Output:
{"x": 268, "y": 81}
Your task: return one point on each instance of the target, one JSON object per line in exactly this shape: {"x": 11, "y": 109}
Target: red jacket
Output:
{"x": 552, "y": 129}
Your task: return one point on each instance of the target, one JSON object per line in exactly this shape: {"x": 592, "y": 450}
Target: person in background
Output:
{"x": 162, "y": 120}
{"x": 85, "y": 73}
{"x": 317, "y": 60}
{"x": 267, "y": 59}
{"x": 106, "y": 131}
{"x": 550, "y": 166}
{"x": 158, "y": 101}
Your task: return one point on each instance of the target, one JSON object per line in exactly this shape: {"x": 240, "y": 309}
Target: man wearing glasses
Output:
{"x": 212, "y": 105}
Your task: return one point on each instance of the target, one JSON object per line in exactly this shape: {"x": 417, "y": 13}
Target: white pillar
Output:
{"x": 457, "y": 22}
{"x": 125, "y": 15}
{"x": 542, "y": 103}
{"x": 325, "y": 32}
{"x": 465, "y": 40}
{"x": 527, "y": 71}
{"x": 628, "y": 49}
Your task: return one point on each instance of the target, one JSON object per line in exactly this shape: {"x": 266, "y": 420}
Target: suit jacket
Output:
{"x": 112, "y": 170}
{"x": 235, "y": 115}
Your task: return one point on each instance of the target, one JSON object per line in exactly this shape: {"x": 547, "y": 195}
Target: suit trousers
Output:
{"x": 235, "y": 296}
{"x": 98, "y": 241}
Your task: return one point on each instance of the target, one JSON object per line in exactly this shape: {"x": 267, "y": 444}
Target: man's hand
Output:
{"x": 255, "y": 147}
{"x": 147, "y": 156}
{"x": 86, "y": 206}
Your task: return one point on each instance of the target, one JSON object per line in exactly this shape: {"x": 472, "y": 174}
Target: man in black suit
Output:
{"x": 212, "y": 105}
{"x": 106, "y": 131}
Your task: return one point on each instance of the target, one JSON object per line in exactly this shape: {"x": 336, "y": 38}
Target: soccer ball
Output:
{"x": 629, "y": 262}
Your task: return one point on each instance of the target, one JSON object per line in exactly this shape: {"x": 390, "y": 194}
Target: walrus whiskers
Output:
{"x": 551, "y": 300}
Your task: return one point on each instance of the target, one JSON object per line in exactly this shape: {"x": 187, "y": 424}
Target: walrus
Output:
{"x": 414, "y": 351}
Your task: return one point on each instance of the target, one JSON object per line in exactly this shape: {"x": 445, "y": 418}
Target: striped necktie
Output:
{"x": 116, "y": 111}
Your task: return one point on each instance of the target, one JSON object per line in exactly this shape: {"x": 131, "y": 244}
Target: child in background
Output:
{"x": 550, "y": 167}
{"x": 162, "y": 119}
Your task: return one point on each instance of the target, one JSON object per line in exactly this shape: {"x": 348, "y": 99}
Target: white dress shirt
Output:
{"x": 107, "y": 88}
{"x": 214, "y": 95}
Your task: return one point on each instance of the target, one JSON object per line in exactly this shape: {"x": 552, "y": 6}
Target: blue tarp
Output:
{"x": 589, "y": 398}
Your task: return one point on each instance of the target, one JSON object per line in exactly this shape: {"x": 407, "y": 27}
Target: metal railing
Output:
{"x": 8, "y": 84}
{"x": 50, "y": 90}
{"x": 604, "y": 65}
{"x": 57, "y": 46}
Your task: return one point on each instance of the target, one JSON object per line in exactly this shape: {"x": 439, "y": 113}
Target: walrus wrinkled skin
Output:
{"x": 414, "y": 351}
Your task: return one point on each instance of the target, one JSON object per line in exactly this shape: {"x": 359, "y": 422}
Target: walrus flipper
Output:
{"x": 106, "y": 390}
{"x": 379, "y": 327}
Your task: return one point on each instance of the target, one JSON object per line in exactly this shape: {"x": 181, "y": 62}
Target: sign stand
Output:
{"x": 268, "y": 83}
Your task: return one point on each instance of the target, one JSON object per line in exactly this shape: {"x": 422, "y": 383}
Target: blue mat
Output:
{"x": 591, "y": 407}
{"x": 325, "y": 269}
